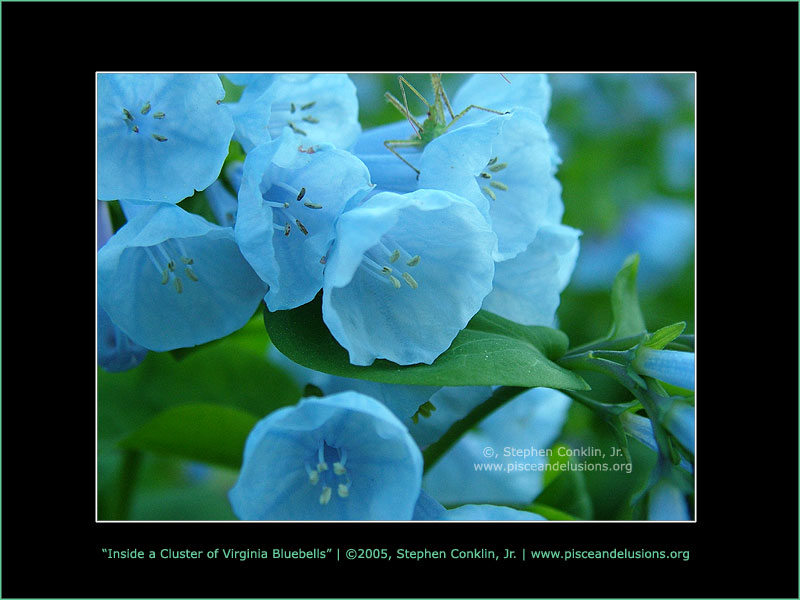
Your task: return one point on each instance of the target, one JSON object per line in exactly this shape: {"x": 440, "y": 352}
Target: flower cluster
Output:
{"x": 406, "y": 230}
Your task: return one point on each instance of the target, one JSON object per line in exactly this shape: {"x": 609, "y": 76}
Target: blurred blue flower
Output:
{"x": 170, "y": 279}
{"x": 532, "y": 420}
{"x": 666, "y": 502}
{"x": 405, "y": 275}
{"x": 641, "y": 429}
{"x": 670, "y": 366}
{"x": 339, "y": 457}
{"x": 299, "y": 195}
{"x": 221, "y": 201}
{"x": 679, "y": 421}
{"x": 115, "y": 350}
{"x": 318, "y": 108}
{"x": 662, "y": 232}
{"x": 159, "y": 136}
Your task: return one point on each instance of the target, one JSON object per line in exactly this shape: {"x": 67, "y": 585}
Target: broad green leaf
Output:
{"x": 490, "y": 351}
{"x": 628, "y": 318}
{"x": 664, "y": 336}
{"x": 208, "y": 433}
{"x": 233, "y": 371}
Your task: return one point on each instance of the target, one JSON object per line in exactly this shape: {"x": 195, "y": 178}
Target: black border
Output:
{"x": 745, "y": 55}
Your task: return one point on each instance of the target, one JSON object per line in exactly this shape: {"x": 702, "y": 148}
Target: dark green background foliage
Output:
{"x": 174, "y": 427}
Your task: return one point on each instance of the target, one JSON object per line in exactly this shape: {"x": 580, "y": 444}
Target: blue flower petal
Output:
{"x": 506, "y": 166}
{"x": 284, "y": 238}
{"x": 159, "y": 136}
{"x": 489, "y": 512}
{"x": 490, "y": 90}
{"x": 410, "y": 309}
{"x": 527, "y": 288}
{"x": 318, "y": 108}
{"x": 369, "y": 464}
{"x": 170, "y": 279}
{"x": 667, "y": 503}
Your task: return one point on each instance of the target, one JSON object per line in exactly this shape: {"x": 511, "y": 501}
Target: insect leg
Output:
{"x": 391, "y": 144}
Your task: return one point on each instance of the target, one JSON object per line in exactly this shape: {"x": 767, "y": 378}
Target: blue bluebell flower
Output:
{"x": 429, "y": 509}
{"x": 317, "y": 107}
{"x": 160, "y": 137}
{"x": 530, "y": 422}
{"x": 340, "y": 457}
{"x": 504, "y": 164}
{"x": 670, "y": 366}
{"x": 504, "y": 93}
{"x": 287, "y": 205}
{"x": 527, "y": 288}
{"x": 170, "y": 279}
{"x": 405, "y": 275}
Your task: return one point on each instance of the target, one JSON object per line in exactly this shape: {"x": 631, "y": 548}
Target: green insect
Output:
{"x": 435, "y": 124}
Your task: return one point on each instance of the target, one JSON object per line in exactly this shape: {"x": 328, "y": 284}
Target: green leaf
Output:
{"x": 233, "y": 371}
{"x": 664, "y": 336}
{"x": 490, "y": 351}
{"x": 208, "y": 433}
{"x": 628, "y": 318}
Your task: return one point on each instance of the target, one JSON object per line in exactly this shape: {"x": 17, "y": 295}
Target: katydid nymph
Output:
{"x": 435, "y": 123}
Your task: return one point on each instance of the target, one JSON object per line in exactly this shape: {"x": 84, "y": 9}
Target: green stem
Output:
{"x": 128, "y": 474}
{"x": 604, "y": 344}
{"x": 436, "y": 450}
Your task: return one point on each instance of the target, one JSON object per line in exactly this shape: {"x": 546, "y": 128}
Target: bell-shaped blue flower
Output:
{"x": 679, "y": 421}
{"x": 339, "y": 457}
{"x": 288, "y": 202}
{"x": 670, "y": 366}
{"x": 527, "y": 288}
{"x": 318, "y": 107}
{"x": 221, "y": 201}
{"x": 160, "y": 137}
{"x": 170, "y": 279}
{"x": 405, "y": 274}
{"x": 532, "y": 421}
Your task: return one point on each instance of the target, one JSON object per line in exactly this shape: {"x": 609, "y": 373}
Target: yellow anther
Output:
{"x": 178, "y": 285}
{"x": 190, "y": 274}
{"x": 322, "y": 466}
{"x": 146, "y": 108}
{"x": 499, "y": 186}
{"x": 414, "y": 261}
{"x": 339, "y": 469}
{"x": 395, "y": 281}
{"x": 343, "y": 491}
{"x": 164, "y": 276}
{"x": 489, "y": 192}
{"x": 498, "y": 167}
{"x": 410, "y": 281}
{"x": 313, "y": 477}
{"x": 325, "y": 496}
{"x": 394, "y": 256}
